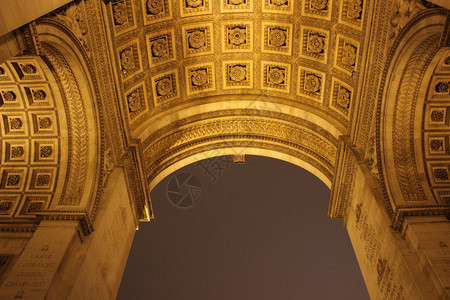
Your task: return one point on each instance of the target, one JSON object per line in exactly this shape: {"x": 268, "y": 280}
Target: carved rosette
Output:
{"x": 200, "y": 78}
{"x": 276, "y": 77}
{"x": 197, "y": 40}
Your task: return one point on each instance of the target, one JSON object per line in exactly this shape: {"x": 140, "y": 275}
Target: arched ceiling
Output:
{"x": 301, "y": 53}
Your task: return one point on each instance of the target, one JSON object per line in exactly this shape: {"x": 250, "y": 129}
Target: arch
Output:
{"x": 399, "y": 117}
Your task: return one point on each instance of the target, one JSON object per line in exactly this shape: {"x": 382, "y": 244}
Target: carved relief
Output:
{"x": 311, "y": 84}
{"x": 123, "y": 16}
{"x": 160, "y": 47}
{"x": 13, "y": 124}
{"x": 27, "y": 70}
{"x": 314, "y": 44}
{"x": 15, "y": 151}
{"x": 347, "y": 54}
{"x": 405, "y": 10}
{"x": 237, "y": 36}
{"x": 238, "y": 74}
{"x": 129, "y": 59}
{"x": 41, "y": 179}
{"x": 200, "y": 78}
{"x": 6, "y": 205}
{"x": 136, "y": 103}
{"x": 278, "y": 6}
{"x": 197, "y": 40}
{"x": 352, "y": 13}
{"x": 236, "y": 6}
{"x": 277, "y": 38}
{"x": 165, "y": 87}
{"x": 12, "y": 179}
{"x": 276, "y": 76}
{"x": 38, "y": 96}
{"x": 317, "y": 8}
{"x": 156, "y": 11}
{"x": 342, "y": 97}
{"x": 195, "y": 7}
{"x": 9, "y": 97}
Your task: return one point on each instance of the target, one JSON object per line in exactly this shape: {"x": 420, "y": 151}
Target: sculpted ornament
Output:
{"x": 442, "y": 87}
{"x": 349, "y": 55}
{"x": 437, "y": 145}
{"x": 120, "y": 13}
{"x": 42, "y": 180}
{"x": 277, "y": 37}
{"x": 28, "y": 68}
{"x": 154, "y": 7}
{"x": 34, "y": 207}
{"x": 237, "y": 36}
{"x": 159, "y": 48}
{"x": 312, "y": 83}
{"x": 127, "y": 60}
{"x": 279, "y": 2}
{"x": 237, "y": 73}
{"x": 15, "y": 123}
{"x": 9, "y": 96}
{"x": 319, "y": 4}
{"x": 437, "y": 115}
{"x": 199, "y": 77}
{"x": 133, "y": 101}
{"x": 343, "y": 97}
{"x": 315, "y": 43}
{"x": 45, "y": 151}
{"x": 276, "y": 76}
{"x": 13, "y": 180}
{"x": 354, "y": 9}
{"x": 441, "y": 174}
{"x": 45, "y": 123}
{"x": 39, "y": 95}
{"x": 164, "y": 87}
{"x": 194, "y": 3}
{"x": 5, "y": 206}
{"x": 197, "y": 39}
{"x": 17, "y": 152}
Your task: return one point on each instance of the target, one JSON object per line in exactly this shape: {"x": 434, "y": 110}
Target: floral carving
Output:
{"x": 42, "y": 180}
{"x": 238, "y": 73}
{"x": 45, "y": 123}
{"x": 276, "y": 75}
{"x": 441, "y": 174}
{"x": 437, "y": 115}
{"x": 160, "y": 48}
{"x": 127, "y": 60}
{"x": 133, "y": 101}
{"x": 17, "y": 152}
{"x": 194, "y": 3}
{"x": 437, "y": 145}
{"x": 197, "y": 39}
{"x": 442, "y": 87}
{"x": 13, "y": 180}
{"x": 354, "y": 9}
{"x": 119, "y": 13}
{"x": 5, "y": 206}
{"x": 15, "y": 123}
{"x": 277, "y": 37}
{"x": 316, "y": 43}
{"x": 154, "y": 7}
{"x": 164, "y": 87}
{"x": 45, "y": 151}
{"x": 28, "y": 68}
{"x": 237, "y": 36}
{"x": 34, "y": 207}
{"x": 279, "y": 2}
{"x": 312, "y": 83}
{"x": 9, "y": 96}
{"x": 349, "y": 55}
{"x": 39, "y": 95}
{"x": 343, "y": 97}
{"x": 199, "y": 77}
{"x": 319, "y": 4}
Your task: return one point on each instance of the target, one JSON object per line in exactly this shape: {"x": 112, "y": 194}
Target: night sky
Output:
{"x": 253, "y": 231}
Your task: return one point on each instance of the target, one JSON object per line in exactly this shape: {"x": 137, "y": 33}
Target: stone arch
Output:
{"x": 400, "y": 113}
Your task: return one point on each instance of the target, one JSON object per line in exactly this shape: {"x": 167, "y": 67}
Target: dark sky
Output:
{"x": 258, "y": 231}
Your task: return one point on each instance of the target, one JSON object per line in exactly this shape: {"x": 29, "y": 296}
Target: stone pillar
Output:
{"x": 59, "y": 262}
{"x": 37, "y": 265}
